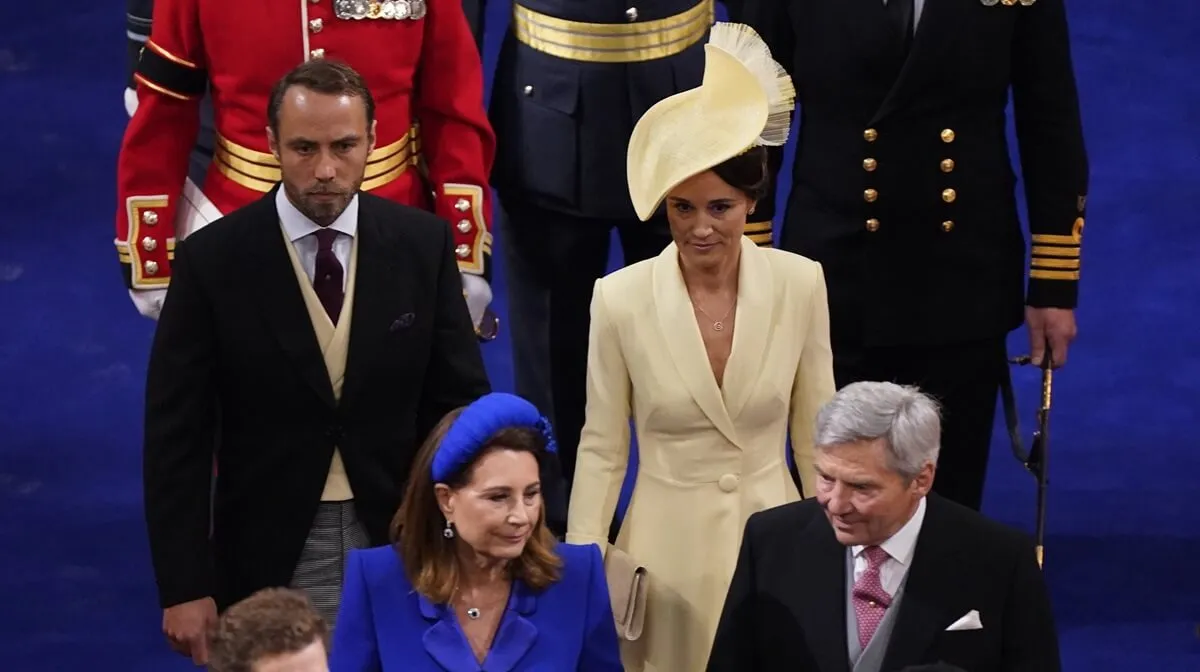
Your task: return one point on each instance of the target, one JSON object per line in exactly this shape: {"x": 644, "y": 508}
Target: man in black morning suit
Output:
{"x": 903, "y": 189}
{"x": 327, "y": 329}
{"x": 573, "y": 78}
{"x": 875, "y": 573}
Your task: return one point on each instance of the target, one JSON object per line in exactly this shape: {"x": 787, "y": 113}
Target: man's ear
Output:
{"x": 923, "y": 482}
{"x": 273, "y": 142}
{"x": 372, "y": 135}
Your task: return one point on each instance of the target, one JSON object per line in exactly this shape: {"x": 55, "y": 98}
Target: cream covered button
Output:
{"x": 728, "y": 482}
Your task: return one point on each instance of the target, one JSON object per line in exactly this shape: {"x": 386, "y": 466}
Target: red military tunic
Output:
{"x": 423, "y": 70}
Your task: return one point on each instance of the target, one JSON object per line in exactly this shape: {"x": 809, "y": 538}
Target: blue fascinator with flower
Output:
{"x": 478, "y": 423}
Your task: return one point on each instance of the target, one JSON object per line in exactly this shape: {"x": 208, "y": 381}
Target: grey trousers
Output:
{"x": 335, "y": 532}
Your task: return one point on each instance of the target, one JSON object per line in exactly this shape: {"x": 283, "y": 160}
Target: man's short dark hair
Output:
{"x": 271, "y": 622}
{"x": 328, "y": 77}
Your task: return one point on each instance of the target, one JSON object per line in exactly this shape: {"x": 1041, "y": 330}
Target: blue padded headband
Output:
{"x": 478, "y": 423}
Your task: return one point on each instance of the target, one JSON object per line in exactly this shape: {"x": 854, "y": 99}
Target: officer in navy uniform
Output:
{"x": 904, "y": 191}
{"x": 572, "y": 79}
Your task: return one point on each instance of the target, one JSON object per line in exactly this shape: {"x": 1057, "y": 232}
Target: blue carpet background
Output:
{"x": 76, "y": 592}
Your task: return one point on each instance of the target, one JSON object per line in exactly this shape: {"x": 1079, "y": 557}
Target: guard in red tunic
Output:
{"x": 434, "y": 150}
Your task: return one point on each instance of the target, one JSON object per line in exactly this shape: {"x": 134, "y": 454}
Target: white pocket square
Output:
{"x": 968, "y": 622}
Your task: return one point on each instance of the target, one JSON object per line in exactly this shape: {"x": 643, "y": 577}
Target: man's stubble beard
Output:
{"x": 322, "y": 214}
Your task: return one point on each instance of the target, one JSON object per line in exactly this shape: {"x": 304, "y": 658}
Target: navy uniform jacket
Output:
{"x": 563, "y": 117}
{"x": 903, "y": 186}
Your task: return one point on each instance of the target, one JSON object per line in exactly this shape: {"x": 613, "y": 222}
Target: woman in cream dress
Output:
{"x": 715, "y": 349}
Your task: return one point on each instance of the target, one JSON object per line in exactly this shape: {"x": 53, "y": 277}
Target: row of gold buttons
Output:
{"x": 947, "y": 165}
{"x": 870, "y": 195}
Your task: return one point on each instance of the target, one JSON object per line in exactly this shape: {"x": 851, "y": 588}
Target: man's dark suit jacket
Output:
{"x": 786, "y": 608}
{"x": 236, "y": 364}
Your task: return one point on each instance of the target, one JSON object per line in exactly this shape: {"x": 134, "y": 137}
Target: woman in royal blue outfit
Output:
{"x": 475, "y": 581}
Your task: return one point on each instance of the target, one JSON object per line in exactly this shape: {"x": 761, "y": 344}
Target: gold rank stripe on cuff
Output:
{"x": 259, "y": 171}
{"x": 760, "y": 233}
{"x": 1056, "y": 257}
{"x": 470, "y": 257}
{"x": 631, "y": 42}
{"x": 143, "y": 211}
{"x": 1049, "y": 262}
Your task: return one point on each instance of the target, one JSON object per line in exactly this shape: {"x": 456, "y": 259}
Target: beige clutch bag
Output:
{"x": 627, "y": 589}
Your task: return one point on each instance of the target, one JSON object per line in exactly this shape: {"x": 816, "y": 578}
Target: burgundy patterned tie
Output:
{"x": 327, "y": 278}
{"x": 871, "y": 601}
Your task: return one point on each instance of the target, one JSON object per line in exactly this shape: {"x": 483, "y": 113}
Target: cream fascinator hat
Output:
{"x": 745, "y": 100}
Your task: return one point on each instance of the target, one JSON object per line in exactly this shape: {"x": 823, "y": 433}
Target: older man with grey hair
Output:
{"x": 877, "y": 573}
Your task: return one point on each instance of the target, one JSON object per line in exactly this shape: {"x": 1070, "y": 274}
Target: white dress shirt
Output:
{"x": 300, "y": 230}
{"x": 899, "y": 547}
{"x": 918, "y": 5}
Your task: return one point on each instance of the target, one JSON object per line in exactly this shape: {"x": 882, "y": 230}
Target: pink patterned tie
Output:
{"x": 870, "y": 599}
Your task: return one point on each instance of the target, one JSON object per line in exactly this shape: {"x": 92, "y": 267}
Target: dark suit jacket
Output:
{"x": 385, "y": 625}
{"x": 235, "y": 343}
{"x": 917, "y": 265}
{"x": 786, "y": 608}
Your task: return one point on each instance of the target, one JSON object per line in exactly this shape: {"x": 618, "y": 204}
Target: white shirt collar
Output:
{"x": 900, "y": 546}
{"x": 296, "y": 225}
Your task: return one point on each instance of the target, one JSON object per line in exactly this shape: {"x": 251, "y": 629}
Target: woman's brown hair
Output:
{"x": 746, "y": 172}
{"x": 429, "y": 558}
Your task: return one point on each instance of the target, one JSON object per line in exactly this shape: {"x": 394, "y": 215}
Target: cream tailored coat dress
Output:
{"x": 709, "y": 455}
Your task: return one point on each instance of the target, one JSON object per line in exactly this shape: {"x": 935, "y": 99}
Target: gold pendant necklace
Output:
{"x": 717, "y": 325}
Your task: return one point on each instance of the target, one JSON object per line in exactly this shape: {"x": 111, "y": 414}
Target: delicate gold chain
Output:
{"x": 717, "y": 325}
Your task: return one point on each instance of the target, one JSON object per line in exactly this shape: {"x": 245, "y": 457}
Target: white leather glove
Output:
{"x": 149, "y": 302}
{"x": 478, "y": 294}
{"x": 131, "y": 101}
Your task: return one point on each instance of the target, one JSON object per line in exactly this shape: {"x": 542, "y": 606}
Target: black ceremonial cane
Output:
{"x": 1035, "y": 459}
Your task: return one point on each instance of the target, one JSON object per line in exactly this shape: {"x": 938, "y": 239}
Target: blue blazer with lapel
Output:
{"x": 385, "y": 625}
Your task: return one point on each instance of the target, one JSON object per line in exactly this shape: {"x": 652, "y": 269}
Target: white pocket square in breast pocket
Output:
{"x": 968, "y": 622}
